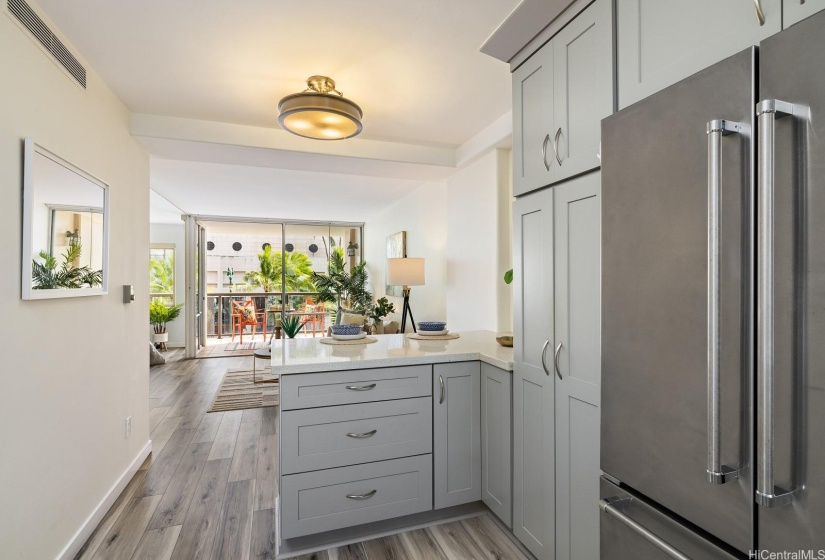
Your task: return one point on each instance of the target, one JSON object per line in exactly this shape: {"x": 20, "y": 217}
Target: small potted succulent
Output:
{"x": 291, "y": 326}
{"x": 378, "y": 311}
{"x": 160, "y": 315}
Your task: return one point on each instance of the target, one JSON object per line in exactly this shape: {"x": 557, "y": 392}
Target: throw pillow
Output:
{"x": 353, "y": 319}
{"x": 155, "y": 357}
{"x": 341, "y": 312}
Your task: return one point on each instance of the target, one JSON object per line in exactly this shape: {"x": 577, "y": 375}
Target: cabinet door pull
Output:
{"x": 362, "y": 435}
{"x": 441, "y": 383}
{"x": 361, "y": 387}
{"x": 556, "y": 360}
{"x": 556, "y": 145}
{"x": 369, "y": 494}
{"x": 544, "y": 357}
{"x": 544, "y": 152}
{"x": 760, "y": 15}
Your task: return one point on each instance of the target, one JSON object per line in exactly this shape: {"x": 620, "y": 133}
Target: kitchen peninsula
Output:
{"x": 387, "y": 436}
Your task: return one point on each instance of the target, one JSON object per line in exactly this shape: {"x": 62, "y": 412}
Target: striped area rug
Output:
{"x": 237, "y": 391}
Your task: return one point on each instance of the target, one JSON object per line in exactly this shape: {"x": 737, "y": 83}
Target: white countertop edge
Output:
{"x": 322, "y": 364}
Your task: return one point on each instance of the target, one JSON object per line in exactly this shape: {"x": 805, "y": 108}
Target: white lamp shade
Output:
{"x": 405, "y": 272}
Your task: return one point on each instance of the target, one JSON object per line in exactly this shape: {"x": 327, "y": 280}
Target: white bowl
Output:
{"x": 433, "y": 333}
{"x": 358, "y": 336}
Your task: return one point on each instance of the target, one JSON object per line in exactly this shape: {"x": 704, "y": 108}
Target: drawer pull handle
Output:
{"x": 366, "y": 496}
{"x": 364, "y": 435}
{"x": 361, "y": 387}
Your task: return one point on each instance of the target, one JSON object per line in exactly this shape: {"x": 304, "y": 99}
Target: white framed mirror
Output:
{"x": 65, "y": 228}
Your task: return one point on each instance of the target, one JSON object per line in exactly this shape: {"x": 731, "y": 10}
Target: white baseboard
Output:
{"x": 88, "y": 527}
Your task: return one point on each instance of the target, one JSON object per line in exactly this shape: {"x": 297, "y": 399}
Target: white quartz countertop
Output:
{"x": 308, "y": 355}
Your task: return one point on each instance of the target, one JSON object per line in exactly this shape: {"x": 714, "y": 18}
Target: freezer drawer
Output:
{"x": 306, "y": 390}
{"x": 322, "y": 501}
{"x": 338, "y": 436}
{"x": 631, "y": 529}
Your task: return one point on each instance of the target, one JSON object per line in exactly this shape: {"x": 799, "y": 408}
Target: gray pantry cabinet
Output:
{"x": 560, "y": 95}
{"x": 456, "y": 430}
{"x": 496, "y": 441}
{"x": 659, "y": 42}
{"x": 533, "y": 390}
{"x": 577, "y": 364}
{"x": 557, "y": 377}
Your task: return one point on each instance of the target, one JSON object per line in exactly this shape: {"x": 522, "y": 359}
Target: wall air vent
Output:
{"x": 31, "y": 21}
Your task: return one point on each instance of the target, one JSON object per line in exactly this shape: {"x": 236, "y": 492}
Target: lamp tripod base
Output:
{"x": 407, "y": 311}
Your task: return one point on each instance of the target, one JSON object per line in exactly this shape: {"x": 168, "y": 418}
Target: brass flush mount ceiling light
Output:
{"x": 320, "y": 112}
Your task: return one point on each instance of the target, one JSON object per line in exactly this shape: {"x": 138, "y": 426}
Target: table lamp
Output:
{"x": 405, "y": 272}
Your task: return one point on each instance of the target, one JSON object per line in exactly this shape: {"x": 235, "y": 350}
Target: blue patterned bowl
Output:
{"x": 432, "y": 325}
{"x": 346, "y": 330}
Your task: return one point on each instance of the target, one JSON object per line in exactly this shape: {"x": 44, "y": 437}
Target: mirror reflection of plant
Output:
{"x": 344, "y": 288}
{"x": 296, "y": 266}
{"x": 292, "y": 326}
{"x": 49, "y": 275}
{"x": 160, "y": 314}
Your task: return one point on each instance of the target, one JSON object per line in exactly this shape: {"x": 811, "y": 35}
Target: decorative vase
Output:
{"x": 379, "y": 326}
{"x": 160, "y": 340}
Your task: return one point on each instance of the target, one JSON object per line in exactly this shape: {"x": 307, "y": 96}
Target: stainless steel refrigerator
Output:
{"x": 713, "y": 322}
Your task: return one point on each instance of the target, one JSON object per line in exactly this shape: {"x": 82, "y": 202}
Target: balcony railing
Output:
{"x": 218, "y": 313}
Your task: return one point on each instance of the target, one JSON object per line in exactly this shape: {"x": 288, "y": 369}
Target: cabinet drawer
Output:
{"x": 306, "y": 390}
{"x": 336, "y": 498}
{"x": 337, "y": 436}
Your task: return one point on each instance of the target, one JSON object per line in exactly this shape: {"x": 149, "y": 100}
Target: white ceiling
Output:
{"x": 414, "y": 67}
{"x": 217, "y": 189}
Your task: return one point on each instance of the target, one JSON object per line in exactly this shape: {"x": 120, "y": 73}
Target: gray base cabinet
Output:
{"x": 456, "y": 433}
{"x": 496, "y": 441}
{"x": 663, "y": 41}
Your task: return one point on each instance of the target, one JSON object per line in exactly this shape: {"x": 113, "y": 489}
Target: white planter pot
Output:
{"x": 159, "y": 338}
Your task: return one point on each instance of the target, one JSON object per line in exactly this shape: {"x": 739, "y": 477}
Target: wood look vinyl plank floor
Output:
{"x": 208, "y": 490}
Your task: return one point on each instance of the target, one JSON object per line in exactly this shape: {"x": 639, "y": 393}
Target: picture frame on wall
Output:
{"x": 396, "y": 248}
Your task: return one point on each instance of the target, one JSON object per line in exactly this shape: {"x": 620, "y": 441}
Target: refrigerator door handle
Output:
{"x": 716, "y": 472}
{"x": 767, "y": 493}
{"x": 609, "y": 506}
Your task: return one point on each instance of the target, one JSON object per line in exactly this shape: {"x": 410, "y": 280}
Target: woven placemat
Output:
{"x": 448, "y": 336}
{"x": 333, "y": 342}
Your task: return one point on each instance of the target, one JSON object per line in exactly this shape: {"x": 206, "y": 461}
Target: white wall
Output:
{"x": 478, "y": 245}
{"x": 423, "y": 215}
{"x": 73, "y": 369}
{"x": 173, "y": 234}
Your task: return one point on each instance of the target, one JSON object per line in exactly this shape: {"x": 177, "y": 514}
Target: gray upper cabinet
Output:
{"x": 577, "y": 365}
{"x": 560, "y": 95}
{"x": 496, "y": 441}
{"x": 662, "y": 41}
{"x": 533, "y": 417}
{"x": 533, "y": 122}
{"x": 794, "y": 11}
{"x": 457, "y": 438}
{"x": 582, "y": 89}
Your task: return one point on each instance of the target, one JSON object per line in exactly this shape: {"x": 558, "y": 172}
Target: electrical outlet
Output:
{"x": 128, "y": 426}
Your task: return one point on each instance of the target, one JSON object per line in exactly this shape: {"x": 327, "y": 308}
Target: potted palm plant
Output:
{"x": 160, "y": 314}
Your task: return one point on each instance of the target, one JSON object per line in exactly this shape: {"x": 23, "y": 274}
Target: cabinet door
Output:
{"x": 577, "y": 365}
{"x": 533, "y": 122}
{"x": 496, "y": 451}
{"x": 533, "y": 418}
{"x": 583, "y": 88}
{"x": 456, "y": 433}
{"x": 794, "y": 11}
{"x": 662, "y": 41}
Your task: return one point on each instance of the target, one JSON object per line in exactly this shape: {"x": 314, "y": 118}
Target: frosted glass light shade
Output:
{"x": 405, "y": 272}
